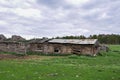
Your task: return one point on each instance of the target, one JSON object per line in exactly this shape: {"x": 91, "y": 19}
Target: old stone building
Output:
{"x": 12, "y": 44}
{"x": 73, "y": 46}
{"x": 66, "y": 46}
{"x": 50, "y": 46}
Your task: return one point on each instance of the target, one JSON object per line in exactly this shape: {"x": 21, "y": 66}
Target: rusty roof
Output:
{"x": 74, "y": 41}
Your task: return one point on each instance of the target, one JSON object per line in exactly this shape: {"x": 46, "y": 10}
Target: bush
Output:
{"x": 8, "y": 53}
{"x": 103, "y": 53}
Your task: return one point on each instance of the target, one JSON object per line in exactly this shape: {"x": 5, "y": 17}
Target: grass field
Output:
{"x": 106, "y": 67}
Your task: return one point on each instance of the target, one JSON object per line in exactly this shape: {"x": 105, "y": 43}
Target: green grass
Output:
{"x": 72, "y": 67}
{"x": 8, "y": 53}
{"x": 115, "y": 47}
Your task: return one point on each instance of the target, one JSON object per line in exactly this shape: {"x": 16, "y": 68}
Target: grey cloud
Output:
{"x": 55, "y": 4}
{"x": 101, "y": 3}
{"x": 111, "y": 8}
{"x": 59, "y": 18}
{"x": 51, "y": 3}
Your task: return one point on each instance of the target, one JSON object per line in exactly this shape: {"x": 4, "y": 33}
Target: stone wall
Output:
{"x": 71, "y": 49}
{"x": 16, "y": 38}
{"x": 36, "y": 47}
{"x": 64, "y": 48}
{"x": 17, "y": 47}
{"x": 2, "y": 37}
{"x": 47, "y": 48}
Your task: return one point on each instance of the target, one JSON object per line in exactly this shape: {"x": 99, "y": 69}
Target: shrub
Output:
{"x": 103, "y": 53}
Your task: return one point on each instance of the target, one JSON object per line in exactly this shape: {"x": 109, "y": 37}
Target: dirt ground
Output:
{"x": 7, "y": 56}
{"x": 10, "y": 56}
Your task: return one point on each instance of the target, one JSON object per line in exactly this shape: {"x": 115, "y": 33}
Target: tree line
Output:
{"x": 103, "y": 38}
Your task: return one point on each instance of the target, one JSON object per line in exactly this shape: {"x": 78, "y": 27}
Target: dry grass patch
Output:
{"x": 27, "y": 57}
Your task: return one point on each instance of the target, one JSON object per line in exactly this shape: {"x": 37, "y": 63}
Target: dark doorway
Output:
{"x": 57, "y": 50}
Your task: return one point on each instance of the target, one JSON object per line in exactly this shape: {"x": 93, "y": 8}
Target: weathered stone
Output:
{"x": 2, "y": 37}
{"x": 17, "y": 38}
{"x": 104, "y": 48}
{"x": 17, "y": 47}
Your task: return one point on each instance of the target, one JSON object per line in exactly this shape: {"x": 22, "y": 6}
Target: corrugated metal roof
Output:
{"x": 74, "y": 41}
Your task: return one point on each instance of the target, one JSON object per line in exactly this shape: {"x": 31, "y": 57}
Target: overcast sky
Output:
{"x": 50, "y": 18}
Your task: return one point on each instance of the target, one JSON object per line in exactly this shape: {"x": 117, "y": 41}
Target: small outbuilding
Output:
{"x": 73, "y": 46}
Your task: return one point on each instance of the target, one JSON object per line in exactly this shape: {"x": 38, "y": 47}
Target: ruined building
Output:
{"x": 51, "y": 46}
{"x": 17, "y": 38}
{"x": 66, "y": 46}
{"x": 2, "y": 37}
{"x": 12, "y": 44}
